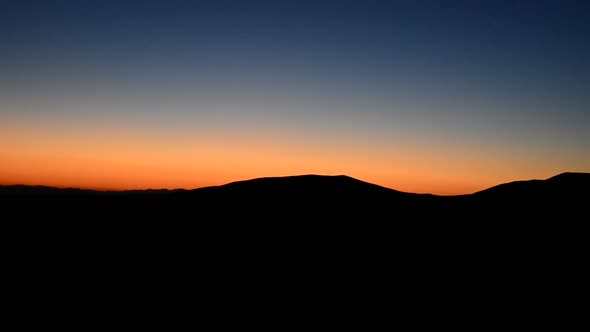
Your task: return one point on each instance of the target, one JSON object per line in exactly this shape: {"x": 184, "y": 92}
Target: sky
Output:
{"x": 443, "y": 97}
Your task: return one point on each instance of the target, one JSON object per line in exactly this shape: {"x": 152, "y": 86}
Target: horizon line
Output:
{"x": 98, "y": 189}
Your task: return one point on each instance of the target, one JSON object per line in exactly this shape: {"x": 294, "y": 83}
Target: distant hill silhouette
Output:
{"x": 570, "y": 184}
{"x": 513, "y": 216}
{"x": 304, "y": 184}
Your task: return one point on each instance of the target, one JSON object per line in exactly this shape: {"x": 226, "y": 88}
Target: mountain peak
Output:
{"x": 569, "y": 176}
{"x": 307, "y": 184}
{"x": 304, "y": 178}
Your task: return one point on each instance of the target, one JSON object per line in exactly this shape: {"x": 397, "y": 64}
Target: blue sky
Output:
{"x": 468, "y": 77}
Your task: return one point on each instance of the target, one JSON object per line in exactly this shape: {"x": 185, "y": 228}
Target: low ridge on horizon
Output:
{"x": 511, "y": 215}
{"x": 561, "y": 176}
{"x": 565, "y": 180}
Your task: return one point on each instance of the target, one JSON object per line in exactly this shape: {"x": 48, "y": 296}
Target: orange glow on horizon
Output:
{"x": 141, "y": 161}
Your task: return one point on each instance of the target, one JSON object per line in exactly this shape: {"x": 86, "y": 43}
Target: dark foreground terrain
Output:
{"x": 311, "y": 238}
{"x": 524, "y": 215}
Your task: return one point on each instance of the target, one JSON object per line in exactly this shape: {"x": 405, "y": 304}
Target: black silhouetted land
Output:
{"x": 524, "y": 215}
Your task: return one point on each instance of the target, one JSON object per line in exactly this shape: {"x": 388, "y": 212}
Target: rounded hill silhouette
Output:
{"x": 521, "y": 214}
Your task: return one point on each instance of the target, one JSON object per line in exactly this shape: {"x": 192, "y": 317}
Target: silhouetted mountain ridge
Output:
{"x": 47, "y": 190}
{"x": 521, "y": 214}
{"x": 569, "y": 184}
{"x": 304, "y": 187}
{"x": 325, "y": 184}
{"x": 338, "y": 211}
{"x": 41, "y": 190}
